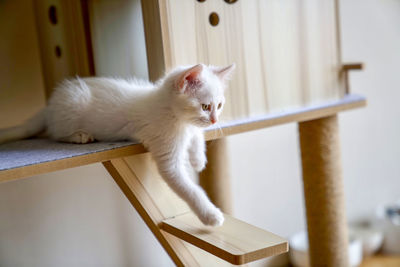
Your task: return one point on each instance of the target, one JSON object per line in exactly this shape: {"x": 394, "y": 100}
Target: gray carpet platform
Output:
{"x": 34, "y": 151}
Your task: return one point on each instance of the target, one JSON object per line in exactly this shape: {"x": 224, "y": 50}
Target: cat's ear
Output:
{"x": 225, "y": 73}
{"x": 190, "y": 79}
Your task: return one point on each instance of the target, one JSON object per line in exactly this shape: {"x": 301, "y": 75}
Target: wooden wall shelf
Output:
{"x": 36, "y": 156}
{"x": 236, "y": 242}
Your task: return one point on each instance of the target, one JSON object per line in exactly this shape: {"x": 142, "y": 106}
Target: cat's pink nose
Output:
{"x": 213, "y": 120}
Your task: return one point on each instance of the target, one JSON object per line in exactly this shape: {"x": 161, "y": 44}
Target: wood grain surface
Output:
{"x": 286, "y": 52}
{"x": 235, "y": 241}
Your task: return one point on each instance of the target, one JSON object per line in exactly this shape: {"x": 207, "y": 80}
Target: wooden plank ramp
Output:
{"x": 235, "y": 241}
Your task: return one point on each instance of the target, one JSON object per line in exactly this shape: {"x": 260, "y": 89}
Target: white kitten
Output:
{"x": 167, "y": 117}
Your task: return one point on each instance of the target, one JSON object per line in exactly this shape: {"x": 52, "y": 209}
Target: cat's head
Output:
{"x": 199, "y": 92}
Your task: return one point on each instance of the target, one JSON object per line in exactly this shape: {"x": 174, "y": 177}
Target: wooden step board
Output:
{"x": 235, "y": 241}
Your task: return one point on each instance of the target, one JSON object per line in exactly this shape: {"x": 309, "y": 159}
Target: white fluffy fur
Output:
{"x": 167, "y": 117}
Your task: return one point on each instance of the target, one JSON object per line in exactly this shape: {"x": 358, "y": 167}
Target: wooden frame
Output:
{"x": 161, "y": 209}
{"x": 135, "y": 173}
{"x": 64, "y": 44}
{"x": 344, "y": 73}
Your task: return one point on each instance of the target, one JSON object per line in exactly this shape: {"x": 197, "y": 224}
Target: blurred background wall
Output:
{"x": 79, "y": 217}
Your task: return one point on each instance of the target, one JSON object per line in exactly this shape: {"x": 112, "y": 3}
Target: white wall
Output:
{"x": 371, "y": 145}
{"x": 78, "y": 217}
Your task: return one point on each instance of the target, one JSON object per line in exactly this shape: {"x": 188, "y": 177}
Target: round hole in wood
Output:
{"x": 57, "y": 50}
{"x": 230, "y": 1}
{"x": 214, "y": 19}
{"x": 53, "y": 15}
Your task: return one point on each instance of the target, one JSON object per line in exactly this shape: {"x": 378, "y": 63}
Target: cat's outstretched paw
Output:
{"x": 199, "y": 163}
{"x": 212, "y": 217}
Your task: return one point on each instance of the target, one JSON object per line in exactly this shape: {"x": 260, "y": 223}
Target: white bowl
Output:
{"x": 371, "y": 238}
{"x": 298, "y": 250}
{"x": 390, "y": 226}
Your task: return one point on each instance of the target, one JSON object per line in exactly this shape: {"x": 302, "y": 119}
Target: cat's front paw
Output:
{"x": 212, "y": 217}
{"x": 199, "y": 163}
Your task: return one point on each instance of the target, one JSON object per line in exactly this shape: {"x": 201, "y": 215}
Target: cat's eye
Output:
{"x": 206, "y": 107}
{"x": 219, "y": 105}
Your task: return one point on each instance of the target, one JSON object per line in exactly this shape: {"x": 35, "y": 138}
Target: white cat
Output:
{"x": 167, "y": 117}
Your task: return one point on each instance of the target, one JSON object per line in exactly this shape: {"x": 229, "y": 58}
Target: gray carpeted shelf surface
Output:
{"x": 34, "y": 151}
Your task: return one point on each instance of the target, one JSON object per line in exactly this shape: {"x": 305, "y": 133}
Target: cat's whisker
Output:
{"x": 221, "y": 131}
{"x": 217, "y": 132}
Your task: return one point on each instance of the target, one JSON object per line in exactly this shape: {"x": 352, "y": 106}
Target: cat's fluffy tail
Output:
{"x": 31, "y": 127}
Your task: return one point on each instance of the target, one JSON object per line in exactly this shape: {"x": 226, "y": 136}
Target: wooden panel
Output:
{"x": 286, "y": 52}
{"x": 68, "y": 35}
{"x": 21, "y": 81}
{"x": 235, "y": 241}
{"x": 225, "y": 129}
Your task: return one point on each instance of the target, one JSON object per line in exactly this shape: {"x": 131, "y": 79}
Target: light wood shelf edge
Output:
{"x": 297, "y": 115}
{"x": 218, "y": 242}
{"x": 57, "y": 165}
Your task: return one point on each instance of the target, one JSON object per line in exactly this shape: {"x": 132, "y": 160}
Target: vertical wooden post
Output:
{"x": 323, "y": 192}
{"x": 215, "y": 179}
{"x": 156, "y": 55}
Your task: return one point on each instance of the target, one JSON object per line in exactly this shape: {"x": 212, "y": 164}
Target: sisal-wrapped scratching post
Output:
{"x": 215, "y": 179}
{"x": 323, "y": 192}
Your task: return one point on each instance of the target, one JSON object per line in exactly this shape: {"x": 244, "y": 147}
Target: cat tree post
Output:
{"x": 323, "y": 192}
{"x": 215, "y": 179}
